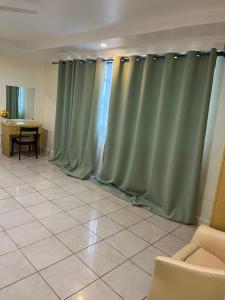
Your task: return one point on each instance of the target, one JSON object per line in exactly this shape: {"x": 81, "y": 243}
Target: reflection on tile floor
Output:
{"x": 63, "y": 238}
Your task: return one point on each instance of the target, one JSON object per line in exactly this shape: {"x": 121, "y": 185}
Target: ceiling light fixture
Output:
{"x": 103, "y": 45}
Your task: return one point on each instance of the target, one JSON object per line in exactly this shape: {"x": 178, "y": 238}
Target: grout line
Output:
{"x": 83, "y": 225}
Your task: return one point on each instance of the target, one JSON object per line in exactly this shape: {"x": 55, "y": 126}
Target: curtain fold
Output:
{"x": 12, "y": 95}
{"x": 157, "y": 122}
{"x": 75, "y": 143}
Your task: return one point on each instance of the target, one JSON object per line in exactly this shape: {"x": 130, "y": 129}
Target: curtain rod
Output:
{"x": 124, "y": 58}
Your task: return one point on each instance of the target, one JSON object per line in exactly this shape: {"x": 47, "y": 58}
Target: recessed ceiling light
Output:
{"x": 103, "y": 45}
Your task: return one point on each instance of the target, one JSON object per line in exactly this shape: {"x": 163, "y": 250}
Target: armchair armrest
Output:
{"x": 210, "y": 239}
{"x": 176, "y": 280}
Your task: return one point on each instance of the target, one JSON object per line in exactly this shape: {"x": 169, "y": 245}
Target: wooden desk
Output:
{"x": 218, "y": 212}
{"x": 11, "y": 128}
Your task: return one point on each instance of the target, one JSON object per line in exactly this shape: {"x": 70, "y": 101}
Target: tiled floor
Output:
{"x": 62, "y": 238}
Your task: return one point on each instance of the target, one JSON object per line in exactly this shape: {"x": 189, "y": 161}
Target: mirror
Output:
{"x": 20, "y": 102}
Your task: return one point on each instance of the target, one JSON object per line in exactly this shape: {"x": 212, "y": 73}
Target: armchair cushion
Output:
{"x": 204, "y": 258}
{"x": 25, "y": 139}
{"x": 211, "y": 240}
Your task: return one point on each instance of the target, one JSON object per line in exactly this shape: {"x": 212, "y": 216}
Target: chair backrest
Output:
{"x": 30, "y": 130}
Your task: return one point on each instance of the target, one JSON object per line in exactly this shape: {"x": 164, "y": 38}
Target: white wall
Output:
{"x": 42, "y": 76}
{"x": 29, "y": 103}
{"x": 215, "y": 142}
{"x": 48, "y": 106}
{"x": 18, "y": 71}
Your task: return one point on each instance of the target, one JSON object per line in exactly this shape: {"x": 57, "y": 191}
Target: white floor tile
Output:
{"x": 127, "y": 243}
{"x": 89, "y": 184}
{"x": 59, "y": 222}
{"x": 31, "y": 199}
{"x": 170, "y": 244}
{"x": 30, "y": 288}
{"x": 33, "y": 178}
{"x": 68, "y": 276}
{"x": 103, "y": 227}
{"x": 51, "y": 174}
{"x": 106, "y": 206}
{"x": 78, "y": 238}
{"x": 101, "y": 258}
{"x": 3, "y": 194}
{"x": 32, "y": 163}
{"x": 17, "y": 167}
{"x": 6, "y": 245}
{"x": 13, "y": 267}
{"x": 46, "y": 252}
{"x": 8, "y": 162}
{"x": 125, "y": 218}
{"x": 62, "y": 180}
{"x": 75, "y": 188}
{"x": 8, "y": 204}
{"x": 185, "y": 232}
{"x": 62, "y": 203}
{"x": 68, "y": 203}
{"x": 164, "y": 223}
{"x": 120, "y": 201}
{"x": 23, "y": 172}
{"x": 89, "y": 196}
{"x": 43, "y": 210}
{"x": 28, "y": 234}
{"x": 42, "y": 168}
{"x": 129, "y": 281}
{"x": 18, "y": 190}
{"x": 10, "y": 182}
{"x": 43, "y": 185}
{"x": 84, "y": 213}
{"x": 148, "y": 231}
{"x": 140, "y": 211}
{"x": 101, "y": 191}
{"x": 146, "y": 259}
{"x": 4, "y": 173}
{"x": 15, "y": 218}
{"x": 98, "y": 290}
{"x": 54, "y": 193}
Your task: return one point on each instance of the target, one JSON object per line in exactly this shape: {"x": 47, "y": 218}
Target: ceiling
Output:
{"x": 64, "y": 29}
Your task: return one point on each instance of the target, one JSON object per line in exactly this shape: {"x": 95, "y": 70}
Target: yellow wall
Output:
{"x": 36, "y": 74}
{"x": 48, "y": 102}
{"x": 20, "y": 72}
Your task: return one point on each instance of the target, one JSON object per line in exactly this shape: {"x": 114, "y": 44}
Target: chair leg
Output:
{"x": 29, "y": 149}
{"x": 19, "y": 150}
{"x": 36, "y": 150}
{"x": 12, "y": 147}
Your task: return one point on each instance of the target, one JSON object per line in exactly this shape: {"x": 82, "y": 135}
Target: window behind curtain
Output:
{"x": 103, "y": 111}
{"x": 21, "y": 114}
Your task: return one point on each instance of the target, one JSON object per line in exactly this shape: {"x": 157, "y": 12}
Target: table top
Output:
{"x": 20, "y": 122}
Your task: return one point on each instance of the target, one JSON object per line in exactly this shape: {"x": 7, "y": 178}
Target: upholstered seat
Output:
{"x": 25, "y": 139}
{"x": 197, "y": 272}
{"x": 204, "y": 258}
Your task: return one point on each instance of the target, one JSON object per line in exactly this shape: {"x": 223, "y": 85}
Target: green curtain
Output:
{"x": 75, "y": 144}
{"x": 12, "y": 95}
{"x": 157, "y": 123}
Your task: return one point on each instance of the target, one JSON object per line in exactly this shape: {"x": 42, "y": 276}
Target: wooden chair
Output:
{"x": 25, "y": 139}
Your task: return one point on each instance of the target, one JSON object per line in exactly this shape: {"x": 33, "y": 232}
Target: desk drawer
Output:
{"x": 15, "y": 130}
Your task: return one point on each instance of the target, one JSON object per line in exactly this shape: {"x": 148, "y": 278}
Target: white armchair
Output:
{"x": 197, "y": 272}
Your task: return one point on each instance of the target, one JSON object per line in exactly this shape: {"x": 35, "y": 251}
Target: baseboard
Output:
{"x": 47, "y": 151}
{"x": 203, "y": 221}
